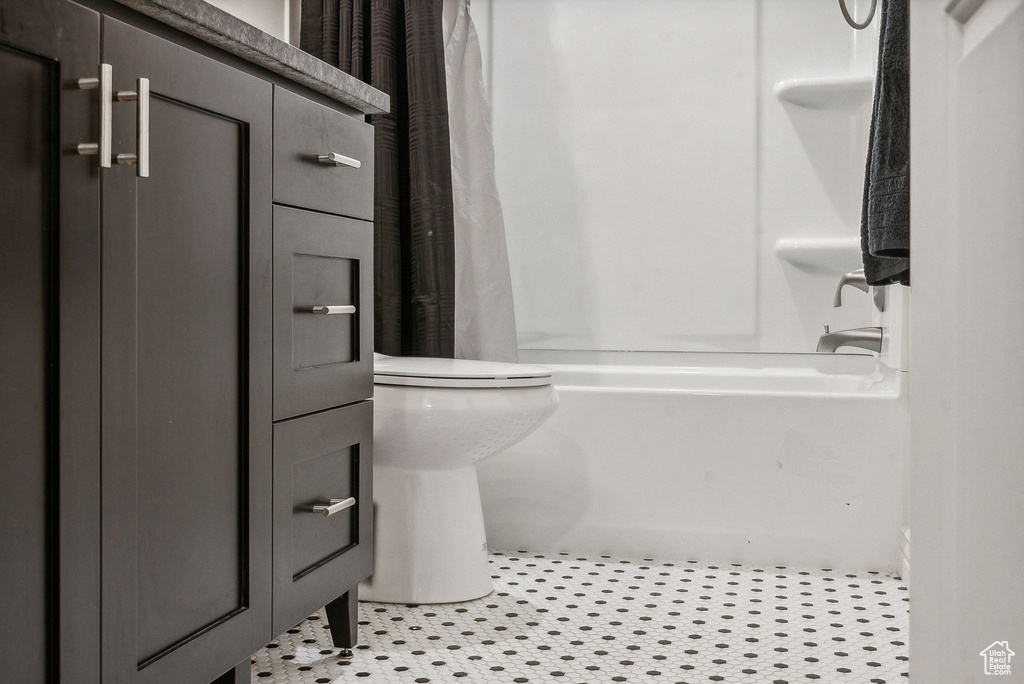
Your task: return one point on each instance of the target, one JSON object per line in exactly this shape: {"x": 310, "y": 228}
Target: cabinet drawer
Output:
{"x": 317, "y": 557}
{"x": 321, "y": 360}
{"x": 306, "y": 134}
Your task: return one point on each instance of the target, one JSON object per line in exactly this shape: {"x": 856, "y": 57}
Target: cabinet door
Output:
{"x": 49, "y": 327}
{"x": 186, "y": 368}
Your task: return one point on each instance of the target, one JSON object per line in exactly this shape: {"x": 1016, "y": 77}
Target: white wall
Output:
{"x": 967, "y": 436}
{"x": 275, "y": 17}
{"x": 647, "y": 169}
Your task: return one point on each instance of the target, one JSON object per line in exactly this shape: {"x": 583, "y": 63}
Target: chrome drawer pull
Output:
{"x": 140, "y": 96}
{"x": 104, "y": 83}
{"x": 334, "y": 506}
{"x": 335, "y": 159}
{"x": 328, "y": 309}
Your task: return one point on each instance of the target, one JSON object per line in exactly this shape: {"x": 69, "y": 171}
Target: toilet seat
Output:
{"x": 456, "y": 373}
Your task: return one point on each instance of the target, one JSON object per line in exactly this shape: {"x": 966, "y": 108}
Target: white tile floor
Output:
{"x": 564, "y": 618}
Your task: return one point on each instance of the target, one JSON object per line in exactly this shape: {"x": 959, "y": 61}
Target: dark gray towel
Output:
{"x": 885, "y": 214}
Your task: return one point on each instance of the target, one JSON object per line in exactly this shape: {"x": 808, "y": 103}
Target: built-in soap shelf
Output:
{"x": 837, "y": 93}
{"x": 836, "y": 255}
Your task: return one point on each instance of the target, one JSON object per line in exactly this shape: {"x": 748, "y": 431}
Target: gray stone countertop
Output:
{"x": 216, "y": 27}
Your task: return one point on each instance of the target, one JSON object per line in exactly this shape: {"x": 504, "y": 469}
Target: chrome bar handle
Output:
{"x": 334, "y": 506}
{"x": 329, "y": 309}
{"x": 142, "y": 128}
{"x": 104, "y": 83}
{"x": 141, "y": 158}
{"x": 335, "y": 159}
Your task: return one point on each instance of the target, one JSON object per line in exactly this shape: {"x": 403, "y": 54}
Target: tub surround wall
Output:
{"x": 657, "y": 189}
{"x": 683, "y": 196}
{"x": 811, "y": 171}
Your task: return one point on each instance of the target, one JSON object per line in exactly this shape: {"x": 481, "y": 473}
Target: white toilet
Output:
{"x": 434, "y": 420}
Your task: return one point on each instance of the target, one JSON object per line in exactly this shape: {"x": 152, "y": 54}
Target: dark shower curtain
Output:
{"x": 397, "y": 46}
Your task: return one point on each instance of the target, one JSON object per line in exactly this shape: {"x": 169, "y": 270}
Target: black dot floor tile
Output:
{"x": 566, "y": 618}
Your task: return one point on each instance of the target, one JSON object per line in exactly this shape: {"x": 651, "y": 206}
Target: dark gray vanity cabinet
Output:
{"x": 49, "y": 346}
{"x": 323, "y": 362}
{"x": 186, "y": 321}
{"x": 183, "y": 479}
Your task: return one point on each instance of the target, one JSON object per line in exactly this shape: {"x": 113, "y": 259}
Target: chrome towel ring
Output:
{"x": 850, "y": 20}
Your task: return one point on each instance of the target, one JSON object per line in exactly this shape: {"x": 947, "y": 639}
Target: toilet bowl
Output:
{"x": 434, "y": 420}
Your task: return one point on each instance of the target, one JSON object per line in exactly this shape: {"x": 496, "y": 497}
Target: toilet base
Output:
{"x": 429, "y": 542}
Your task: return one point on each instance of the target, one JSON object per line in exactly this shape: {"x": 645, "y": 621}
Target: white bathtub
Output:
{"x": 780, "y": 459}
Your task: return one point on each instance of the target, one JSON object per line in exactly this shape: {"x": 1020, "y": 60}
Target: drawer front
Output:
{"x": 323, "y": 357}
{"x": 305, "y": 131}
{"x": 319, "y": 459}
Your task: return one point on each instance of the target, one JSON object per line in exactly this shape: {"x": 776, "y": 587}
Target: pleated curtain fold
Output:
{"x": 397, "y": 46}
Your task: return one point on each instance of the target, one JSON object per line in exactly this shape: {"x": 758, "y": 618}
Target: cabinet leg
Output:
{"x": 343, "y": 616}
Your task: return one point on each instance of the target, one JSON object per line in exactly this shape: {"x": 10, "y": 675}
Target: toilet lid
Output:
{"x": 424, "y": 372}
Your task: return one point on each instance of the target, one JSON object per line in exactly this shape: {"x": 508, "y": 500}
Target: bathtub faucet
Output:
{"x": 858, "y": 280}
{"x": 864, "y": 338}
{"x": 855, "y": 278}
